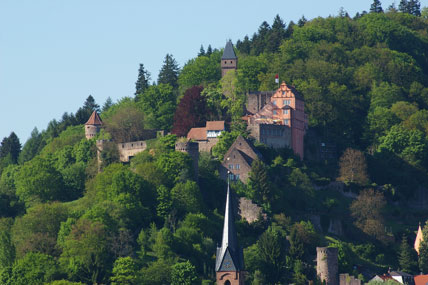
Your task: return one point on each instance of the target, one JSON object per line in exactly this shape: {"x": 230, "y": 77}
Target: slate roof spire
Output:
{"x": 229, "y": 256}
{"x": 228, "y": 52}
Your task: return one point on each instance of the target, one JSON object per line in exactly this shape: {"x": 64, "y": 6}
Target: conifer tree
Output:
{"x": 10, "y": 146}
{"x": 107, "y": 104}
{"x": 302, "y": 21}
{"x": 169, "y": 72}
{"x": 376, "y": 7}
{"x": 423, "y": 252}
{"x": 143, "y": 80}
{"x": 414, "y": 7}
{"x": 407, "y": 256}
{"x": 209, "y": 50}
{"x": 201, "y": 51}
{"x": 258, "y": 182}
{"x": 403, "y": 6}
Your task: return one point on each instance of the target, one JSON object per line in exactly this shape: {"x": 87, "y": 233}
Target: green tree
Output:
{"x": 272, "y": 250}
{"x": 32, "y": 146}
{"x": 38, "y": 181}
{"x": 164, "y": 206}
{"x": 407, "y": 256}
{"x": 259, "y": 183}
{"x": 157, "y": 273}
{"x": 158, "y": 103}
{"x": 124, "y": 272}
{"x": 176, "y": 166}
{"x": 7, "y": 248}
{"x": 86, "y": 252}
{"x": 126, "y": 124}
{"x": 10, "y": 146}
{"x": 34, "y": 268}
{"x": 162, "y": 246}
{"x": 107, "y": 104}
{"x": 186, "y": 197}
{"x": 376, "y": 7}
{"x": 143, "y": 80}
{"x": 183, "y": 273}
{"x": 169, "y": 72}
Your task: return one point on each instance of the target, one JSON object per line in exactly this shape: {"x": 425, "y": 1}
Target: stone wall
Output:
{"x": 276, "y": 136}
{"x": 234, "y": 277}
{"x": 346, "y": 279}
{"x": 257, "y": 100}
{"x": 130, "y": 149}
{"x": 207, "y": 145}
{"x": 249, "y": 210}
{"x": 192, "y": 149}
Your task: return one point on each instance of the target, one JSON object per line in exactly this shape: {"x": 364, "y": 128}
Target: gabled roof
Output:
{"x": 94, "y": 119}
{"x": 215, "y": 125}
{"x": 229, "y": 256}
{"x": 245, "y": 147}
{"x": 228, "y": 52}
{"x": 198, "y": 134}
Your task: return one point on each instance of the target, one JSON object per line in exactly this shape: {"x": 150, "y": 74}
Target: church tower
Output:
{"x": 93, "y": 125}
{"x": 229, "y": 264}
{"x": 229, "y": 60}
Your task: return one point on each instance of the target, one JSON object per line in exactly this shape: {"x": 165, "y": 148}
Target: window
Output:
{"x": 231, "y": 61}
{"x": 237, "y": 177}
{"x": 231, "y": 176}
{"x": 285, "y": 112}
{"x": 274, "y": 102}
{"x": 283, "y": 92}
{"x": 286, "y": 122}
{"x": 286, "y": 102}
{"x": 230, "y": 166}
{"x": 237, "y": 166}
{"x": 274, "y": 112}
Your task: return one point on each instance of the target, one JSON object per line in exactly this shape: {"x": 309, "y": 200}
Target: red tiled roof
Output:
{"x": 421, "y": 279}
{"x": 94, "y": 119}
{"x": 215, "y": 125}
{"x": 198, "y": 134}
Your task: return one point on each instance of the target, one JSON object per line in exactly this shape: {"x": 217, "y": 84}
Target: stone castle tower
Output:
{"x": 93, "y": 125}
{"x": 192, "y": 149}
{"x": 327, "y": 265}
{"x": 229, "y": 263}
{"x": 229, "y": 60}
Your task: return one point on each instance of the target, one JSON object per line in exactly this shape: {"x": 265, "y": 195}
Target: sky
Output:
{"x": 55, "y": 53}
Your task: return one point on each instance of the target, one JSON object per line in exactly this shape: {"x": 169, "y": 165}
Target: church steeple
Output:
{"x": 229, "y": 60}
{"x": 229, "y": 258}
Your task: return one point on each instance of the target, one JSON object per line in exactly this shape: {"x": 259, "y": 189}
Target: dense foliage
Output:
{"x": 364, "y": 81}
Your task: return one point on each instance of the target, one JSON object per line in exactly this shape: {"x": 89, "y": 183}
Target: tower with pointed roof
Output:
{"x": 229, "y": 264}
{"x": 93, "y": 125}
{"x": 229, "y": 60}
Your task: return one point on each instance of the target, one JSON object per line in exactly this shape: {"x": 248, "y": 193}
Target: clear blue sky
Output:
{"x": 54, "y": 53}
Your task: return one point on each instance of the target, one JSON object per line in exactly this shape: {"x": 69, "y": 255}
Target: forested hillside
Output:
{"x": 365, "y": 85}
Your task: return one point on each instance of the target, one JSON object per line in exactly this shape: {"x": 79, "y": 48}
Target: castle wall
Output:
{"x": 207, "y": 145}
{"x": 257, "y": 100}
{"x": 130, "y": 149}
{"x": 327, "y": 265}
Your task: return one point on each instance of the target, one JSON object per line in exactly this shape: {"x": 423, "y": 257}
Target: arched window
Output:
{"x": 227, "y": 282}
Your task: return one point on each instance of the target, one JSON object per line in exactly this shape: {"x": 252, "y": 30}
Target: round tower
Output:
{"x": 327, "y": 265}
{"x": 192, "y": 149}
{"x": 93, "y": 125}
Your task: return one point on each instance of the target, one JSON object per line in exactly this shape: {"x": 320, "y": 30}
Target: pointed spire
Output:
{"x": 94, "y": 119}
{"x": 229, "y": 252}
{"x": 419, "y": 238}
{"x": 229, "y": 52}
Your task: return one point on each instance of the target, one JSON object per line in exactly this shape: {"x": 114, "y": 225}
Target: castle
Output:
{"x": 275, "y": 118}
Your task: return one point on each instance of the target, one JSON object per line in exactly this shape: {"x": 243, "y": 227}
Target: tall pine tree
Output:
{"x": 169, "y": 72}
{"x": 376, "y": 7}
{"x": 10, "y": 146}
{"x": 142, "y": 81}
{"x": 414, "y": 7}
{"x": 407, "y": 257}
